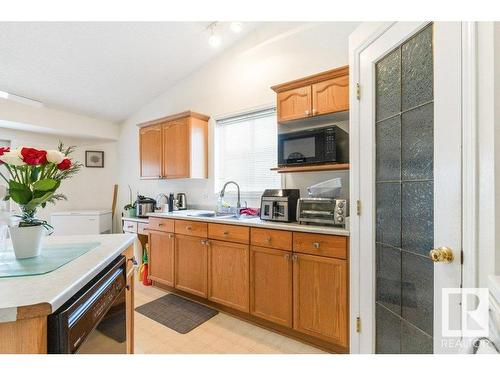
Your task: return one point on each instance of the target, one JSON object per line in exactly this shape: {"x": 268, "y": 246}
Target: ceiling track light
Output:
{"x": 236, "y": 27}
{"x": 214, "y": 39}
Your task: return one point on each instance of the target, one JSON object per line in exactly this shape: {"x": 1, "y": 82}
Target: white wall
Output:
{"x": 20, "y": 116}
{"x": 92, "y": 188}
{"x": 237, "y": 80}
{"x": 488, "y": 107}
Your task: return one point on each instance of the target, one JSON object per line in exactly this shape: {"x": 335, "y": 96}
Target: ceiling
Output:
{"x": 103, "y": 69}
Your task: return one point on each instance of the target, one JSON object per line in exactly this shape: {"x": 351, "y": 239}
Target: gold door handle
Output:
{"x": 441, "y": 255}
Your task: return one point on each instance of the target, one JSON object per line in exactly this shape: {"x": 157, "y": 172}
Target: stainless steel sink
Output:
{"x": 221, "y": 216}
{"x": 212, "y": 214}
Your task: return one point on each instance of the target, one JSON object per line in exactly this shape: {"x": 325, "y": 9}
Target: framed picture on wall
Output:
{"x": 94, "y": 159}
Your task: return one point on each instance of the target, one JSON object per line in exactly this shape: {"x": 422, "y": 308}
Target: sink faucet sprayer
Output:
{"x": 238, "y": 203}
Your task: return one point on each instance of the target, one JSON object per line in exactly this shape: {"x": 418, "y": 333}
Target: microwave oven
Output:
{"x": 328, "y": 144}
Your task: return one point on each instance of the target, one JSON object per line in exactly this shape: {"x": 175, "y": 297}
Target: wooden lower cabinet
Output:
{"x": 228, "y": 274}
{"x": 320, "y": 297}
{"x": 129, "y": 298}
{"x": 191, "y": 254}
{"x": 161, "y": 257}
{"x": 129, "y": 306}
{"x": 271, "y": 285}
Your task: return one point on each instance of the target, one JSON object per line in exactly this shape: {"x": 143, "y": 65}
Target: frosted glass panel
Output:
{"x": 405, "y": 197}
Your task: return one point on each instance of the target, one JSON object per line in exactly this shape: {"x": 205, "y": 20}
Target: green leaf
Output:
{"x": 19, "y": 193}
{"x": 34, "y": 203}
{"x": 46, "y": 184}
{"x": 34, "y": 173}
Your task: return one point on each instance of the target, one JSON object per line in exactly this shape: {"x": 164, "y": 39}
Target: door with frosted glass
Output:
{"x": 410, "y": 185}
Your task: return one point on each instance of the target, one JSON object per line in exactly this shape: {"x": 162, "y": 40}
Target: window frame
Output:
{"x": 227, "y": 119}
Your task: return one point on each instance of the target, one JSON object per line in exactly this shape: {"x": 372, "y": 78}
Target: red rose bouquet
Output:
{"x": 34, "y": 177}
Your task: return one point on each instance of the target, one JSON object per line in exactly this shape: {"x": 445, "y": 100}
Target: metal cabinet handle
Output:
{"x": 161, "y": 224}
{"x": 189, "y": 227}
{"x": 307, "y": 112}
{"x": 287, "y": 257}
{"x": 133, "y": 260}
{"x": 314, "y": 111}
{"x": 226, "y": 233}
{"x": 295, "y": 257}
{"x": 269, "y": 239}
{"x": 130, "y": 226}
{"x": 170, "y": 235}
{"x": 316, "y": 245}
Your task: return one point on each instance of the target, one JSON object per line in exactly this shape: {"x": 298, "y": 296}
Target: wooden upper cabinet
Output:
{"x": 294, "y": 104}
{"x": 176, "y": 161}
{"x": 315, "y": 95}
{"x": 177, "y": 144}
{"x": 330, "y": 96}
{"x": 320, "y": 297}
{"x": 150, "y": 149}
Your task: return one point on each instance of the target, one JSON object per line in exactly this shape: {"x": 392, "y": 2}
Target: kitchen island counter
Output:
{"x": 39, "y": 295}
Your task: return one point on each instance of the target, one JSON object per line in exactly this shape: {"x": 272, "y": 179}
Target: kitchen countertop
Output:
{"x": 255, "y": 222}
{"x": 136, "y": 219}
{"x": 44, "y": 294}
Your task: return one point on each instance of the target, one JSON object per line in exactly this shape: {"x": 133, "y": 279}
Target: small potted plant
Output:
{"x": 34, "y": 177}
{"x": 130, "y": 208}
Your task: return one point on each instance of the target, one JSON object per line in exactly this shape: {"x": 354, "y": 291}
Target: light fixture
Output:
{"x": 20, "y": 99}
{"x": 236, "y": 27}
{"x": 214, "y": 39}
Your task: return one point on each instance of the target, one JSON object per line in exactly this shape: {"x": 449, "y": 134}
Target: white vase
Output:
{"x": 27, "y": 241}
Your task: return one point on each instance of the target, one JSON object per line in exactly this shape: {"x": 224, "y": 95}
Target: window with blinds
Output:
{"x": 246, "y": 150}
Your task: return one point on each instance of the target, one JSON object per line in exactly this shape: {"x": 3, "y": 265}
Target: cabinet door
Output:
{"x": 320, "y": 297}
{"x": 330, "y": 96}
{"x": 191, "y": 264}
{"x": 161, "y": 257}
{"x": 228, "y": 274}
{"x": 176, "y": 161}
{"x": 271, "y": 285}
{"x": 294, "y": 104}
{"x": 150, "y": 149}
{"x": 129, "y": 311}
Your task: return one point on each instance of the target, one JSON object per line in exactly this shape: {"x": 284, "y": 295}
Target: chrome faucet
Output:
{"x": 238, "y": 203}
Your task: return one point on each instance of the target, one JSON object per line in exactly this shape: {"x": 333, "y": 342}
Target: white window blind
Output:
{"x": 246, "y": 150}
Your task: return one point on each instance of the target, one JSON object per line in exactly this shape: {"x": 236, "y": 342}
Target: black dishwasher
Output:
{"x": 94, "y": 320}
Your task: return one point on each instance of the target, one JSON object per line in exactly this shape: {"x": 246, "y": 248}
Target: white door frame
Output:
{"x": 363, "y": 308}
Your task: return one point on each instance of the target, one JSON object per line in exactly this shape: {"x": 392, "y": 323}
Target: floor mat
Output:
{"x": 177, "y": 313}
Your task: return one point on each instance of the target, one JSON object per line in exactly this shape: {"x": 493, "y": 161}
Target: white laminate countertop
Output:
{"x": 136, "y": 219}
{"x": 256, "y": 222}
{"x": 56, "y": 287}
{"x": 494, "y": 287}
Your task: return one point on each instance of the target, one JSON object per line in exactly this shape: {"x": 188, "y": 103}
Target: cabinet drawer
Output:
{"x": 320, "y": 244}
{"x": 162, "y": 225}
{"x": 276, "y": 239}
{"x": 142, "y": 228}
{"x": 232, "y": 233}
{"x": 129, "y": 226}
{"x": 191, "y": 228}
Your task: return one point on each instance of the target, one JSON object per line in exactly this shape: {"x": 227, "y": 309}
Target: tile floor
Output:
{"x": 222, "y": 334}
